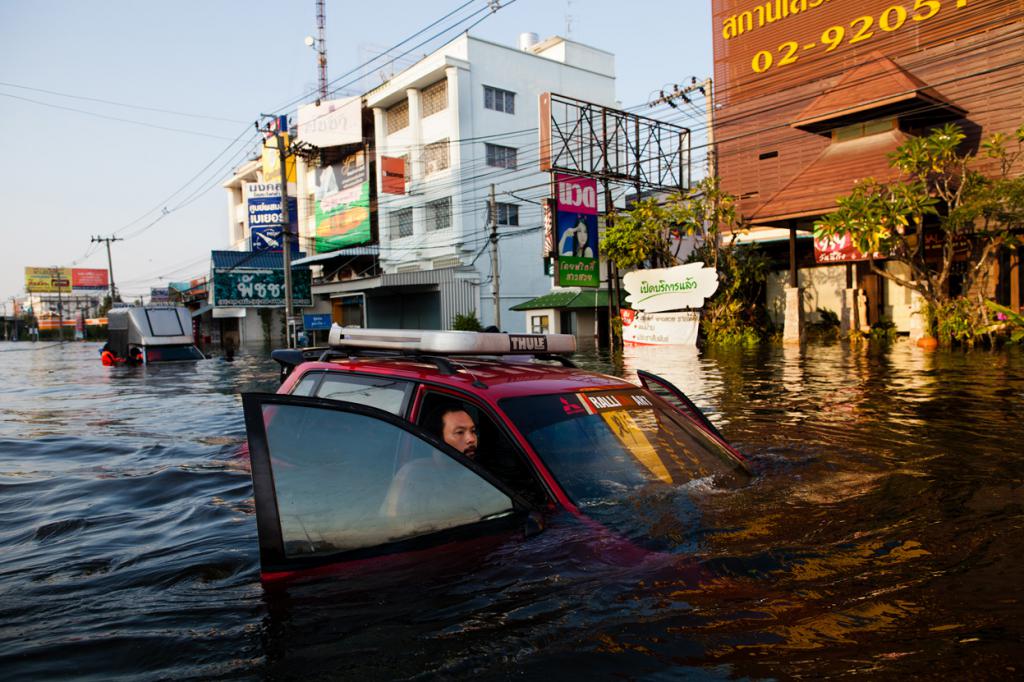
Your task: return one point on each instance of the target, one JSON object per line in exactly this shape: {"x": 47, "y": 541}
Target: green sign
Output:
{"x": 576, "y": 271}
{"x": 259, "y": 287}
{"x": 343, "y": 218}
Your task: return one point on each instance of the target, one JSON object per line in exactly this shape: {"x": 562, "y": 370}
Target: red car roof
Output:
{"x": 499, "y": 379}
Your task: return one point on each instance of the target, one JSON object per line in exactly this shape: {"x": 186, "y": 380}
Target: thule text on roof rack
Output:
{"x": 451, "y": 342}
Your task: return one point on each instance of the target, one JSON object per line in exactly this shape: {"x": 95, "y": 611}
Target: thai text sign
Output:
{"x": 43, "y": 280}
{"x": 263, "y": 205}
{"x": 259, "y": 287}
{"x": 342, "y": 205}
{"x": 89, "y": 279}
{"x": 316, "y": 322}
{"x": 660, "y": 329}
{"x": 576, "y": 232}
{"x": 332, "y": 123}
{"x": 838, "y": 250}
{"x": 578, "y": 272}
{"x": 761, "y": 38}
{"x": 676, "y": 288}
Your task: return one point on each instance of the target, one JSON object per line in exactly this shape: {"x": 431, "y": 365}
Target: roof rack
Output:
{"x": 430, "y": 342}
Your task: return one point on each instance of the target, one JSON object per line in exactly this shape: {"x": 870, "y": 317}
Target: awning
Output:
{"x": 876, "y": 89}
{"x": 370, "y": 250}
{"x": 261, "y": 260}
{"x": 202, "y": 309}
{"x": 833, "y": 174}
{"x": 585, "y": 299}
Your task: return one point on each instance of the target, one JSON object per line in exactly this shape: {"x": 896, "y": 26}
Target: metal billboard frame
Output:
{"x": 582, "y": 138}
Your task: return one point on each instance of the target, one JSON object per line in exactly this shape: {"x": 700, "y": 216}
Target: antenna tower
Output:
{"x": 322, "y": 46}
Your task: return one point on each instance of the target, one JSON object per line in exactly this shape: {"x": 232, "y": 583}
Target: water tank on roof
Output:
{"x": 528, "y": 40}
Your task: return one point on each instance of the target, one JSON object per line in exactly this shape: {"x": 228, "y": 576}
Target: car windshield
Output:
{"x": 611, "y": 449}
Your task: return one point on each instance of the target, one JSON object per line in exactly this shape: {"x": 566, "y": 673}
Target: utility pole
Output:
{"x": 110, "y": 263}
{"x": 705, "y": 88}
{"x": 55, "y": 278}
{"x": 279, "y": 128}
{"x": 495, "y": 277}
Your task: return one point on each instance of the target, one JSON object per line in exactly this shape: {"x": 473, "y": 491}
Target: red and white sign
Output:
{"x": 577, "y": 195}
{"x": 659, "y": 329}
{"x": 89, "y": 278}
{"x": 838, "y": 250}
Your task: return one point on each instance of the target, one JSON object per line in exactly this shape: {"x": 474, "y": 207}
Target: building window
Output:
{"x": 508, "y": 214}
{"x": 857, "y": 130}
{"x": 499, "y": 100}
{"x": 398, "y": 116}
{"x": 502, "y": 157}
{"x": 439, "y": 214}
{"x": 434, "y": 98}
{"x": 400, "y": 223}
{"x": 435, "y": 156}
{"x": 539, "y": 324}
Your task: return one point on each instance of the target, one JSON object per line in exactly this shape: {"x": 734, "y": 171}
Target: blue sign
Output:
{"x": 312, "y": 323}
{"x": 270, "y": 238}
{"x": 266, "y": 212}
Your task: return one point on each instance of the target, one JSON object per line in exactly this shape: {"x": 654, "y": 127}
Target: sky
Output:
{"x": 124, "y": 118}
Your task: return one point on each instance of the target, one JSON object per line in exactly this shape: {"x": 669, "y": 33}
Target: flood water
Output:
{"x": 882, "y": 536}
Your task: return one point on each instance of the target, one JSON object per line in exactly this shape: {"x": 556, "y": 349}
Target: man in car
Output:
{"x": 457, "y": 428}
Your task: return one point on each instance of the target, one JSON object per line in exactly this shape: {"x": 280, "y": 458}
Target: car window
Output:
{"x": 495, "y": 452}
{"x": 345, "y": 481}
{"x": 385, "y": 394}
{"x": 307, "y": 384}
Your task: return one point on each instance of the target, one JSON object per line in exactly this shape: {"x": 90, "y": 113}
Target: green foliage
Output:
{"x": 640, "y": 235}
{"x": 942, "y": 194}
{"x": 727, "y": 323}
{"x": 643, "y": 234}
{"x": 883, "y": 330}
{"x": 467, "y": 322}
{"x": 958, "y": 320}
{"x": 1006, "y": 321}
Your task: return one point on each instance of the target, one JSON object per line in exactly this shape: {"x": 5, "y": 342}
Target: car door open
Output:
{"x": 335, "y": 481}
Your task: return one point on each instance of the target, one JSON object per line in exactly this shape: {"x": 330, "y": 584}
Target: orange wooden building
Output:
{"x": 811, "y": 95}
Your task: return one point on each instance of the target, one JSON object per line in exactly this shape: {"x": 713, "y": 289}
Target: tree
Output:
{"x": 467, "y": 322}
{"x": 643, "y": 234}
{"x": 941, "y": 200}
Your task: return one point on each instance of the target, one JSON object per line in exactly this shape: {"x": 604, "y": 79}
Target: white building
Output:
{"x": 463, "y": 118}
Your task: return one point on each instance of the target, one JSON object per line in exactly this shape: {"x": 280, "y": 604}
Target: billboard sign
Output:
{"x": 342, "y": 204}
{"x": 47, "y": 280}
{"x": 332, "y": 123}
{"x": 272, "y": 160}
{"x": 660, "y": 329}
{"x": 676, "y": 288}
{"x": 89, "y": 279}
{"x": 576, "y": 232}
{"x": 263, "y": 203}
{"x": 159, "y": 295}
{"x": 259, "y": 287}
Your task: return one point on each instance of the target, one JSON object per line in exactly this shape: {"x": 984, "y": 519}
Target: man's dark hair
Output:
{"x": 434, "y": 419}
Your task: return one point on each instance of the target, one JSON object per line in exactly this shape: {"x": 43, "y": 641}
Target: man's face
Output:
{"x": 460, "y": 432}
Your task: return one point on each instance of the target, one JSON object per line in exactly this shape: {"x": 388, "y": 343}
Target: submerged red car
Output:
{"x": 347, "y": 464}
